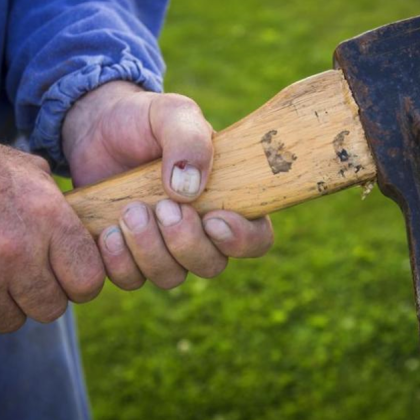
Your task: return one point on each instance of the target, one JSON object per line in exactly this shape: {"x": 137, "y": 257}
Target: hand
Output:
{"x": 118, "y": 127}
{"x": 46, "y": 255}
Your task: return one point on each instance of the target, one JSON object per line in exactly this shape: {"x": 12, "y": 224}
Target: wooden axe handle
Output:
{"x": 306, "y": 142}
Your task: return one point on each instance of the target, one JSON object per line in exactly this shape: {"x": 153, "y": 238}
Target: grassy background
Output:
{"x": 324, "y": 326}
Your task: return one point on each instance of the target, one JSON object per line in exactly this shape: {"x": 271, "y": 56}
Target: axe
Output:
{"x": 349, "y": 126}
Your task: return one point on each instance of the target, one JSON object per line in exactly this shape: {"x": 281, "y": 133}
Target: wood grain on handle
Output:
{"x": 305, "y": 143}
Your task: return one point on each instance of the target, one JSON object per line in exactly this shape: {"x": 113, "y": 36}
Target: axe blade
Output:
{"x": 382, "y": 68}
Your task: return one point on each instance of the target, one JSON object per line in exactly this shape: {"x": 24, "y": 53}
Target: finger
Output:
{"x": 38, "y": 295}
{"x": 120, "y": 266}
{"x": 75, "y": 259}
{"x": 11, "y": 316}
{"x": 186, "y": 141}
{"x": 185, "y": 238}
{"x": 148, "y": 248}
{"x": 238, "y": 237}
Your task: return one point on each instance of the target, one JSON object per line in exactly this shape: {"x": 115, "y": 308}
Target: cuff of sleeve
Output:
{"x": 46, "y": 136}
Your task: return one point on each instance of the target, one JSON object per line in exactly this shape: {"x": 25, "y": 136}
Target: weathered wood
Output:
{"x": 305, "y": 143}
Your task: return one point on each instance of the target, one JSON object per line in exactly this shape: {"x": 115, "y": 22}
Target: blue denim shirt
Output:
{"x": 54, "y": 51}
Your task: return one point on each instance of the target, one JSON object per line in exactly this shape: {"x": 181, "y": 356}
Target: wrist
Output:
{"x": 84, "y": 117}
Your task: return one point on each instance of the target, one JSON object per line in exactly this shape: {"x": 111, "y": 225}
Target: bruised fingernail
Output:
{"x": 136, "y": 217}
{"x": 218, "y": 229}
{"x": 185, "y": 179}
{"x": 168, "y": 212}
{"x": 114, "y": 240}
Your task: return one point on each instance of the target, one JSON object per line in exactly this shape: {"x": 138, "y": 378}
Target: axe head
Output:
{"x": 382, "y": 68}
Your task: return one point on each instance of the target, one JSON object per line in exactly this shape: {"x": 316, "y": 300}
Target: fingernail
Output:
{"x": 136, "y": 217}
{"x": 186, "y": 179}
{"x": 218, "y": 229}
{"x": 168, "y": 212}
{"x": 114, "y": 240}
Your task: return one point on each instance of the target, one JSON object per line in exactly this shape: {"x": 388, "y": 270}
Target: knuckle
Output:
{"x": 262, "y": 247}
{"x": 181, "y": 101}
{"x": 45, "y": 205}
{"x": 28, "y": 290}
{"x": 39, "y": 296}
{"x": 183, "y": 241}
{"x": 128, "y": 284}
{"x": 180, "y": 247}
{"x": 88, "y": 286}
{"x": 240, "y": 248}
{"x": 41, "y": 163}
{"x": 12, "y": 248}
{"x": 12, "y": 325}
{"x": 55, "y": 312}
{"x": 76, "y": 249}
{"x": 213, "y": 270}
{"x": 171, "y": 282}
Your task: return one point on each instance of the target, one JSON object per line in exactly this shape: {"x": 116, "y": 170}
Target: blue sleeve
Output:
{"x": 57, "y": 50}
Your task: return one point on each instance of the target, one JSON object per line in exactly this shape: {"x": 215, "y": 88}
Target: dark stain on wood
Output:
{"x": 338, "y": 144}
{"x": 322, "y": 187}
{"x": 279, "y": 159}
{"x": 349, "y": 160}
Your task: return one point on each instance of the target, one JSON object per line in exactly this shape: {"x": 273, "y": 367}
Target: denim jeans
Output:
{"x": 41, "y": 376}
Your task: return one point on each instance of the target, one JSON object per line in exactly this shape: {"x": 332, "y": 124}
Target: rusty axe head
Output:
{"x": 382, "y": 68}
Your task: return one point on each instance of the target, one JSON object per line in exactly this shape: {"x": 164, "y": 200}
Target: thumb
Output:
{"x": 185, "y": 137}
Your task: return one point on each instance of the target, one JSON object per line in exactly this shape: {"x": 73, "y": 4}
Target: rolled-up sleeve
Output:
{"x": 59, "y": 50}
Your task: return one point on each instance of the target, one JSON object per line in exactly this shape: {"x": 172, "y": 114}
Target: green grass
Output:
{"x": 323, "y": 328}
